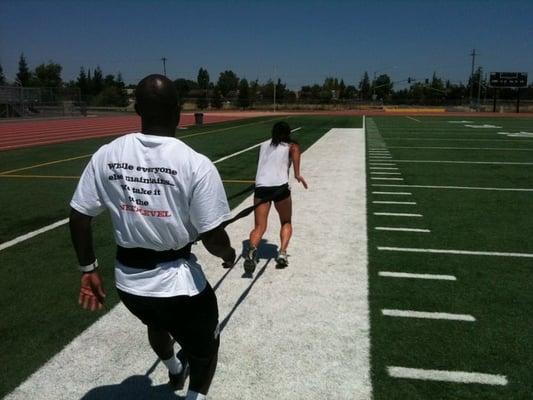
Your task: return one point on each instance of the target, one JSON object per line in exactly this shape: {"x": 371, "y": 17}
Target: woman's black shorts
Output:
{"x": 273, "y": 193}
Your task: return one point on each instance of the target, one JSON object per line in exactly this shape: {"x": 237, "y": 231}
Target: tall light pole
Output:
{"x": 473, "y": 55}
{"x": 164, "y": 59}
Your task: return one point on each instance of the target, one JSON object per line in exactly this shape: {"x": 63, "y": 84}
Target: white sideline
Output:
{"x": 407, "y": 275}
{"x": 385, "y": 173}
{"x": 460, "y": 252}
{"x": 47, "y": 228}
{"x": 394, "y": 202}
{"x": 427, "y": 315}
{"x": 386, "y": 179}
{"x": 447, "y": 376}
{"x": 465, "y": 162}
{"x": 461, "y": 148}
{"x": 270, "y": 345}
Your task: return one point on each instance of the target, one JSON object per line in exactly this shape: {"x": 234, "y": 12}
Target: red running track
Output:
{"x": 19, "y": 134}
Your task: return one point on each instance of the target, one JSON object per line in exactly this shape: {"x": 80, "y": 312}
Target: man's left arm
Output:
{"x": 92, "y": 293}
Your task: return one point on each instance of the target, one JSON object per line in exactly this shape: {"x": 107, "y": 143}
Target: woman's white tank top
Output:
{"x": 274, "y": 164}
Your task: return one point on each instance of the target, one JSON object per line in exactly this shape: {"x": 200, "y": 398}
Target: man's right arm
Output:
{"x": 217, "y": 242}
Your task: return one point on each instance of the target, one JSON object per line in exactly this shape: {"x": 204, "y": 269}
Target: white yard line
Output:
{"x": 447, "y": 376}
{"x": 395, "y": 193}
{"x": 388, "y": 168}
{"x": 390, "y": 228}
{"x": 427, "y": 315}
{"x": 386, "y": 179}
{"x": 465, "y": 162}
{"x": 47, "y": 228}
{"x": 391, "y": 214}
{"x": 461, "y": 148}
{"x": 407, "y": 275}
{"x": 394, "y": 202}
{"x": 385, "y": 173}
{"x": 380, "y": 163}
{"x": 414, "y": 119}
{"x": 461, "y": 140}
{"x": 457, "y": 187}
{"x": 120, "y": 355}
{"x": 458, "y": 252}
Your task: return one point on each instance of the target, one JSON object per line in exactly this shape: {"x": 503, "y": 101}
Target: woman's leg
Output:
{"x": 284, "y": 208}
{"x": 261, "y": 218}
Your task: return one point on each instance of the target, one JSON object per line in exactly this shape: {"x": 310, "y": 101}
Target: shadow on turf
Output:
{"x": 136, "y": 387}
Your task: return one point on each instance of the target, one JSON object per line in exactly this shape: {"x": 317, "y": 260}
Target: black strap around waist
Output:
{"x": 137, "y": 257}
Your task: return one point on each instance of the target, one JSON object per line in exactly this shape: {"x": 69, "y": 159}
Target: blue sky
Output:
{"x": 299, "y": 41}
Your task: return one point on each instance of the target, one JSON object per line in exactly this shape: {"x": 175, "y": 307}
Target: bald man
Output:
{"x": 161, "y": 196}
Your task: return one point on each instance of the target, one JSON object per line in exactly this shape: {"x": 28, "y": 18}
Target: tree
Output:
{"x": 216, "y": 100}
{"x": 227, "y": 82}
{"x": 382, "y": 87}
{"x": 48, "y": 75}
{"x": 24, "y": 74}
{"x": 203, "y": 79}
{"x": 83, "y": 83}
{"x": 364, "y": 87}
{"x": 244, "y": 94}
{"x": 203, "y": 85}
{"x": 184, "y": 86}
{"x": 350, "y": 92}
{"x": 2, "y": 77}
{"x": 97, "y": 83}
{"x": 342, "y": 89}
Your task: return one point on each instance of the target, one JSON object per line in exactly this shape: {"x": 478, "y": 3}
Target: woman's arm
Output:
{"x": 296, "y": 155}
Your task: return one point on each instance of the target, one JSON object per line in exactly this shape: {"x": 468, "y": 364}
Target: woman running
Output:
{"x": 272, "y": 183}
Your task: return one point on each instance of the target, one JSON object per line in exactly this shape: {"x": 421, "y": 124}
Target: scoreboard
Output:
{"x": 508, "y": 79}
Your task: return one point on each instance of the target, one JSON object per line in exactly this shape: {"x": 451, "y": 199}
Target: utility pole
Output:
{"x": 473, "y": 55}
{"x": 275, "y": 84}
{"x": 164, "y": 59}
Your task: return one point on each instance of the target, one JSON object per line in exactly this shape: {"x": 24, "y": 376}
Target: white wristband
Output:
{"x": 89, "y": 268}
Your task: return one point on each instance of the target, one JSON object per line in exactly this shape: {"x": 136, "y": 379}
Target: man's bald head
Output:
{"x": 157, "y": 100}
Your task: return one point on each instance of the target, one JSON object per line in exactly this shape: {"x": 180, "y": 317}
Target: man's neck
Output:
{"x": 158, "y": 130}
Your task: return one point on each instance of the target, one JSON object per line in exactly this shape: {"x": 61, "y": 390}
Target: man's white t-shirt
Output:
{"x": 161, "y": 195}
{"x": 273, "y": 166}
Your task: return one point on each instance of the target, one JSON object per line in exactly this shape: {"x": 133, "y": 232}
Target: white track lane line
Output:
{"x": 407, "y": 275}
{"x": 47, "y": 228}
{"x": 447, "y": 376}
{"x": 393, "y": 229}
{"x": 391, "y": 214}
{"x": 395, "y": 193}
{"x": 394, "y": 202}
{"x": 458, "y": 187}
{"x": 427, "y": 315}
{"x": 414, "y": 119}
{"x": 27, "y": 236}
{"x": 459, "y": 252}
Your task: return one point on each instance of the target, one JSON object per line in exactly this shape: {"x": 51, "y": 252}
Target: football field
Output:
{"x": 448, "y": 211}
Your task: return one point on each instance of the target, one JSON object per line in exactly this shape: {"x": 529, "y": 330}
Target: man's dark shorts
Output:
{"x": 279, "y": 192}
{"x": 191, "y": 320}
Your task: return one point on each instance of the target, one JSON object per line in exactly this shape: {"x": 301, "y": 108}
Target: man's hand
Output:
{"x": 92, "y": 293}
{"x": 301, "y": 179}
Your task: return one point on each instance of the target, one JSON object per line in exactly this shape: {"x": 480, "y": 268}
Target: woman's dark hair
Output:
{"x": 281, "y": 132}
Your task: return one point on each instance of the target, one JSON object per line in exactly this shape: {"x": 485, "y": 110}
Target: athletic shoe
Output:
{"x": 250, "y": 260}
{"x": 282, "y": 260}
{"x": 176, "y": 381}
